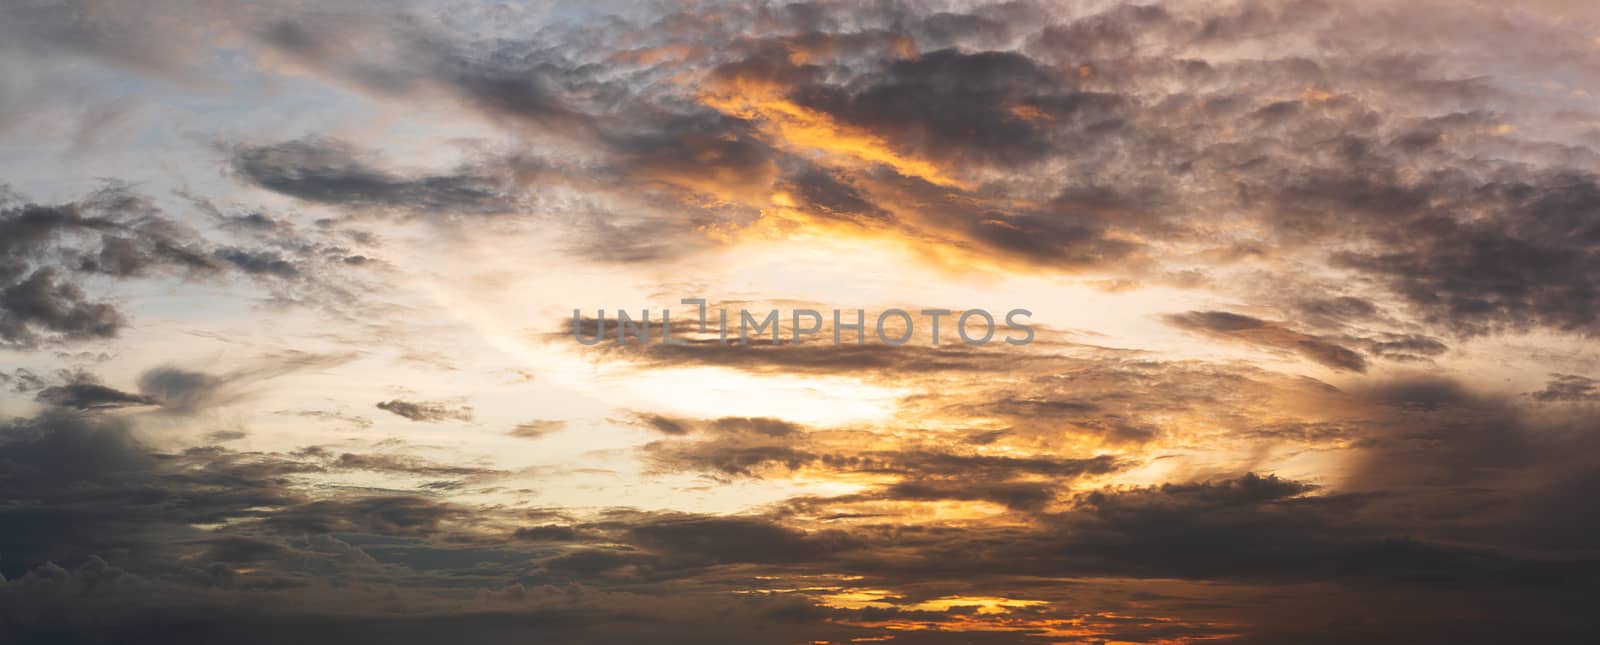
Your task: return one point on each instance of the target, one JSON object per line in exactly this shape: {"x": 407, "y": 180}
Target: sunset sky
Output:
{"x": 287, "y": 295}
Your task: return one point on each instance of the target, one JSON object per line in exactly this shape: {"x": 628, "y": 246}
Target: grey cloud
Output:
{"x": 23, "y": 379}
{"x": 401, "y": 515}
{"x": 954, "y": 104}
{"x": 733, "y": 447}
{"x": 546, "y": 533}
{"x": 426, "y": 411}
{"x": 103, "y": 492}
{"x": 181, "y": 389}
{"x": 1528, "y": 265}
{"x": 827, "y": 193}
{"x": 1406, "y": 347}
{"x": 1569, "y": 387}
{"x": 1256, "y": 331}
{"x": 732, "y": 539}
{"x": 43, "y": 302}
{"x": 46, "y": 252}
{"x": 1338, "y": 309}
{"x": 259, "y": 262}
{"x": 90, "y": 396}
{"x": 333, "y": 172}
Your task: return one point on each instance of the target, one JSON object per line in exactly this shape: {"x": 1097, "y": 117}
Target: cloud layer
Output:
{"x": 287, "y": 356}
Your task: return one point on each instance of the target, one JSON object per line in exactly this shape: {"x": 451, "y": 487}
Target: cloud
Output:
{"x": 182, "y": 390}
{"x": 89, "y": 500}
{"x": 389, "y": 463}
{"x": 330, "y": 171}
{"x": 538, "y": 428}
{"x": 90, "y": 396}
{"x": 1388, "y": 196}
{"x": 43, "y": 302}
{"x": 1255, "y": 331}
{"x": 259, "y": 262}
{"x": 814, "y": 354}
{"x": 426, "y": 411}
{"x": 399, "y": 515}
{"x": 1247, "y": 528}
{"x": 50, "y": 252}
{"x": 1568, "y": 387}
{"x": 737, "y": 447}
{"x": 698, "y": 539}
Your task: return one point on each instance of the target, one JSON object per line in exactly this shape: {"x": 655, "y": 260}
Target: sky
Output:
{"x": 291, "y": 300}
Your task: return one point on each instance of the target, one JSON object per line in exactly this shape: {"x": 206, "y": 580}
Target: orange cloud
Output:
{"x": 800, "y": 129}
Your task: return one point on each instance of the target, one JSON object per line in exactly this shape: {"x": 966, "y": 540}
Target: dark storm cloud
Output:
{"x": 928, "y": 107}
{"x": 704, "y": 540}
{"x": 950, "y": 104}
{"x": 1569, "y": 387}
{"x": 37, "y": 300}
{"x": 106, "y": 538}
{"x": 402, "y": 515}
{"x": 734, "y": 447}
{"x": 132, "y": 236}
{"x": 103, "y": 492}
{"x": 1429, "y": 442}
{"x": 89, "y": 396}
{"x": 1312, "y": 166}
{"x": 1022, "y": 495}
{"x": 1532, "y": 262}
{"x": 333, "y": 172}
{"x": 1051, "y": 239}
{"x": 921, "y": 462}
{"x": 1241, "y": 328}
{"x": 501, "y": 617}
{"x": 698, "y": 149}
{"x": 1249, "y": 527}
{"x": 47, "y": 252}
{"x": 546, "y": 533}
{"x": 106, "y": 492}
{"x": 44, "y": 302}
{"x": 427, "y": 411}
{"x": 826, "y": 193}
{"x": 1440, "y": 434}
